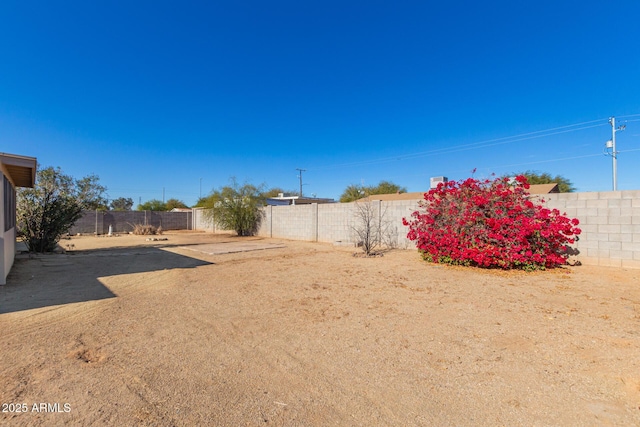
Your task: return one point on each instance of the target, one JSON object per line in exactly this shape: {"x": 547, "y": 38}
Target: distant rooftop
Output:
{"x": 543, "y": 188}
{"x": 285, "y": 200}
{"x": 419, "y": 195}
{"x": 394, "y": 196}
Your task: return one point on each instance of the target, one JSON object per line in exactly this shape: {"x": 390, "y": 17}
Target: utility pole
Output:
{"x": 300, "y": 176}
{"x": 614, "y": 153}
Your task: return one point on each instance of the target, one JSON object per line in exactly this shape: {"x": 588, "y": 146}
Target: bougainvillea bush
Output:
{"x": 490, "y": 224}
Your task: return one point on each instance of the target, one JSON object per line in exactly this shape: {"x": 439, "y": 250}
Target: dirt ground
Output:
{"x": 125, "y": 331}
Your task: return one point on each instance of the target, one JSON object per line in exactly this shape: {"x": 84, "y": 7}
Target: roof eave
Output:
{"x": 21, "y": 169}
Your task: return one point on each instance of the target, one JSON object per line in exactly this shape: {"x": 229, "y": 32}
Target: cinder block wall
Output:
{"x": 333, "y": 222}
{"x": 297, "y": 222}
{"x": 202, "y": 220}
{"x": 610, "y": 223}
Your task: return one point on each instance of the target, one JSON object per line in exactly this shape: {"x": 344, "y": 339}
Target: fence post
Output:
{"x": 314, "y": 221}
{"x": 269, "y": 214}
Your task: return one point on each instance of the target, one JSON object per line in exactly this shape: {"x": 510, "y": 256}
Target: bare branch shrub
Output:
{"x": 373, "y": 231}
{"x": 145, "y": 229}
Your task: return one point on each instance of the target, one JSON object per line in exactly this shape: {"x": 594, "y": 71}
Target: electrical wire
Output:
{"x": 498, "y": 167}
{"x": 546, "y": 161}
{"x": 500, "y": 141}
{"x": 472, "y": 146}
{"x": 455, "y": 149}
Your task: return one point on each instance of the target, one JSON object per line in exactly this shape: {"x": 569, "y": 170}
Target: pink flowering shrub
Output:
{"x": 490, "y": 224}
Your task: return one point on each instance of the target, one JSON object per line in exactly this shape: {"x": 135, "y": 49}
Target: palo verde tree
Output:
{"x": 236, "y": 207}
{"x": 49, "y": 210}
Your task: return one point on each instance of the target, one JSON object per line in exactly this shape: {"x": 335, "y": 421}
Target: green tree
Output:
{"x": 175, "y": 203}
{"x": 205, "y": 202}
{"x": 121, "y": 204}
{"x": 91, "y": 194}
{"x": 386, "y": 187}
{"x": 209, "y": 200}
{"x": 535, "y": 177}
{"x": 354, "y": 192}
{"x": 237, "y": 208}
{"x": 47, "y": 211}
{"x": 153, "y": 205}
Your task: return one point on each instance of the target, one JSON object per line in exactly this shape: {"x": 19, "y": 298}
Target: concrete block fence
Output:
{"x": 610, "y": 223}
{"x": 203, "y": 221}
{"x": 334, "y": 222}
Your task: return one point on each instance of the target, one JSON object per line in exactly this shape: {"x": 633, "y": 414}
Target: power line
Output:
{"x": 475, "y": 145}
{"x": 463, "y": 148}
{"x": 546, "y": 161}
{"x": 552, "y": 160}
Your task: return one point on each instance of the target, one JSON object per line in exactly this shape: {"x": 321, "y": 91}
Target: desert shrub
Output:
{"x": 236, "y": 207}
{"x": 490, "y": 224}
{"x": 145, "y": 229}
{"x": 48, "y": 210}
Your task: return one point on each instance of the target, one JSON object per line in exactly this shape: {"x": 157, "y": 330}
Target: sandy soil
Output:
{"x": 122, "y": 331}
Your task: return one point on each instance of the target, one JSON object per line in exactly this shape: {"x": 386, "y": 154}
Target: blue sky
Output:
{"x": 154, "y": 95}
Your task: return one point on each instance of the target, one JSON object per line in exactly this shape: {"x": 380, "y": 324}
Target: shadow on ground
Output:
{"x": 55, "y": 279}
